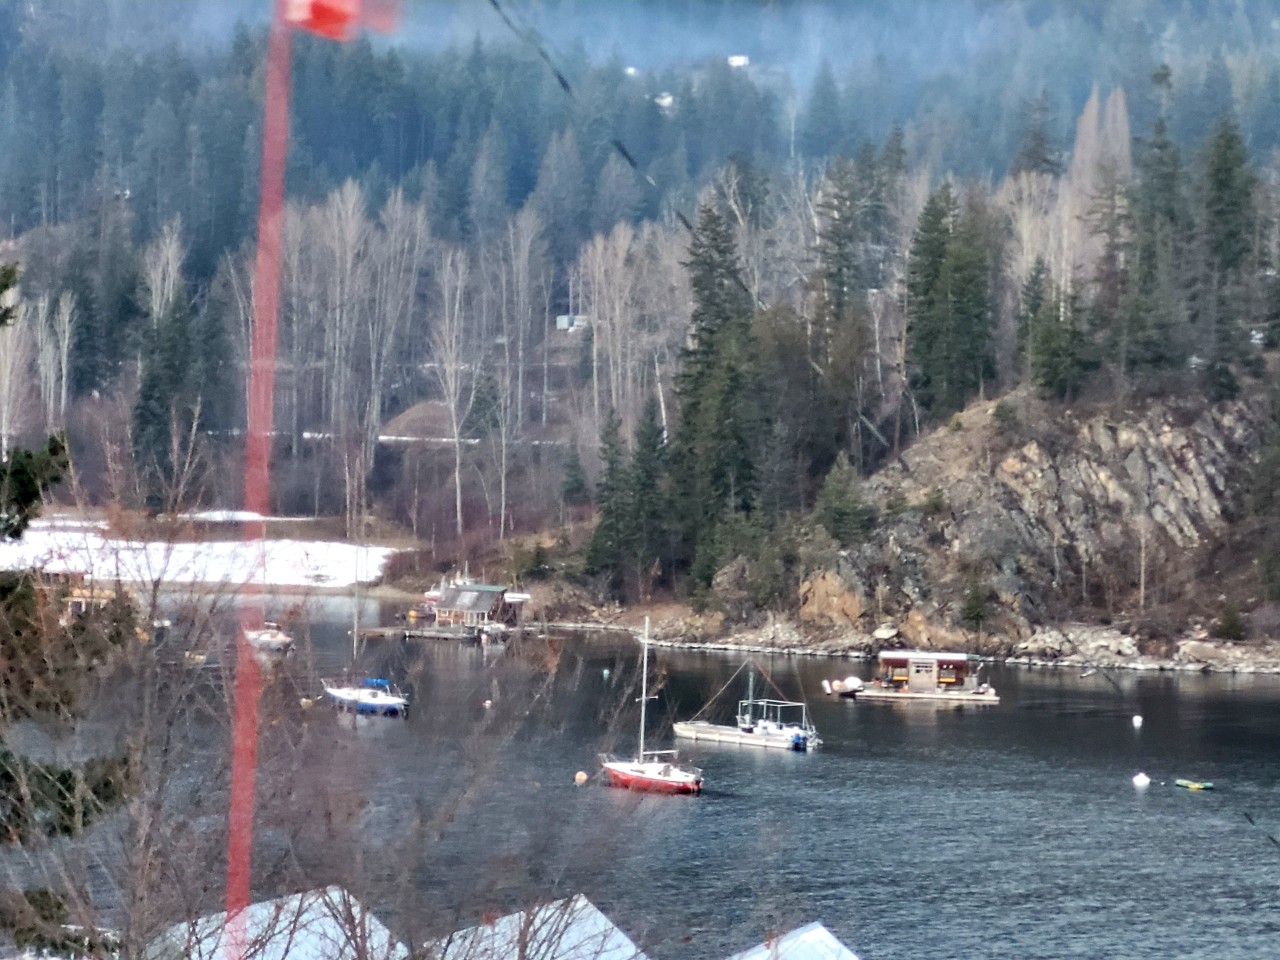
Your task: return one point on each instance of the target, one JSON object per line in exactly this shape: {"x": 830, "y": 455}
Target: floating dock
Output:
{"x": 886, "y": 695}
{"x": 424, "y": 632}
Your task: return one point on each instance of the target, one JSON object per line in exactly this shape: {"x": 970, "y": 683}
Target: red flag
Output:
{"x": 335, "y": 19}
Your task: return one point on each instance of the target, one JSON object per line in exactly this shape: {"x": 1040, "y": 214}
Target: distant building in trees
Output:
{"x": 572, "y": 321}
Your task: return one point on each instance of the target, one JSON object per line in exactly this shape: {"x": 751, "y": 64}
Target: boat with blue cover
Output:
{"x": 374, "y": 696}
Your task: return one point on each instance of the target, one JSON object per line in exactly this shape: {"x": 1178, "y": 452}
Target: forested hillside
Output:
{"x": 782, "y": 260}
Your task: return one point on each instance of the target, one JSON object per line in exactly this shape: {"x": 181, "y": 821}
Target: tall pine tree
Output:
{"x": 949, "y": 310}
{"x": 714, "y": 468}
{"x": 650, "y": 508}
{"x": 610, "y": 543}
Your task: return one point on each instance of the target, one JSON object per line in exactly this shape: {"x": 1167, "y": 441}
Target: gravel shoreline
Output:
{"x": 1087, "y": 648}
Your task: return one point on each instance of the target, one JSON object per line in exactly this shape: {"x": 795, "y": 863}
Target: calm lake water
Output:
{"x": 916, "y": 831}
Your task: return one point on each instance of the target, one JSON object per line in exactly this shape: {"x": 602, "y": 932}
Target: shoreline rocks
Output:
{"x": 1076, "y": 646}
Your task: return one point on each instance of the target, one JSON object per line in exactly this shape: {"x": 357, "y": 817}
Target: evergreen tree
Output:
{"x": 485, "y": 412}
{"x": 713, "y": 457}
{"x": 487, "y": 209}
{"x": 1264, "y": 120}
{"x": 1227, "y": 238}
{"x": 840, "y": 508}
{"x": 1109, "y": 222}
{"x": 167, "y": 416}
{"x": 1036, "y": 153}
{"x": 821, "y": 127}
{"x": 561, "y": 197}
{"x": 893, "y": 158}
{"x": 949, "y": 311}
{"x": 852, "y": 246}
{"x": 8, "y": 293}
{"x": 617, "y": 196}
{"x": 1058, "y": 348}
{"x": 970, "y": 317}
{"x": 1262, "y": 505}
{"x": 751, "y": 191}
{"x": 843, "y": 236}
{"x": 1034, "y": 291}
{"x": 103, "y": 274}
{"x": 25, "y": 475}
{"x": 1201, "y": 105}
{"x": 1161, "y": 224}
{"x": 611, "y": 540}
{"x": 649, "y": 497}
{"x": 1228, "y": 198}
{"x": 574, "y": 490}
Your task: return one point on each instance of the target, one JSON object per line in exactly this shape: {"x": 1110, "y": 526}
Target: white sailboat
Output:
{"x": 369, "y": 696}
{"x": 761, "y": 722}
{"x": 653, "y": 771}
{"x": 372, "y": 696}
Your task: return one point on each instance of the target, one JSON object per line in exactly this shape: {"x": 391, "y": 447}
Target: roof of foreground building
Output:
{"x": 813, "y": 941}
{"x": 570, "y": 929}
{"x": 324, "y": 924}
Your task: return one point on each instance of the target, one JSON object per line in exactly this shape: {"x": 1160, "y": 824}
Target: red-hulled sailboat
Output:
{"x": 653, "y": 771}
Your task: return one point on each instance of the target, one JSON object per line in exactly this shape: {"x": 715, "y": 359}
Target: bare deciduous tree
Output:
{"x": 162, "y": 270}
{"x": 453, "y": 356}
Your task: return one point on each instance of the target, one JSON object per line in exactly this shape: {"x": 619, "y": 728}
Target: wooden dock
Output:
{"x": 884, "y": 695}
{"x": 411, "y": 631}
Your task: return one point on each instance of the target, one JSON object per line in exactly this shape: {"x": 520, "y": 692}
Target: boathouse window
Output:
{"x": 922, "y": 668}
{"x": 947, "y": 673}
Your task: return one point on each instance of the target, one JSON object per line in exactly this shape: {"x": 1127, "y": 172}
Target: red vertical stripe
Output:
{"x": 257, "y": 488}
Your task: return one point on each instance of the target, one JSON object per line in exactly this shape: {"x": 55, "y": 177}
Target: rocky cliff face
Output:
{"x": 991, "y": 529}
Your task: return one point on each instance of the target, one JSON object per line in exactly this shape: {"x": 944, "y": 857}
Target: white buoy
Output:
{"x": 306, "y": 703}
{"x": 580, "y": 777}
{"x": 1137, "y": 721}
{"x": 1141, "y": 781}
{"x": 487, "y": 704}
{"x": 605, "y": 673}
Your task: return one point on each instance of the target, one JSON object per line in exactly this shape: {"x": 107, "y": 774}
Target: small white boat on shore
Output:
{"x": 373, "y": 696}
{"x": 269, "y": 639}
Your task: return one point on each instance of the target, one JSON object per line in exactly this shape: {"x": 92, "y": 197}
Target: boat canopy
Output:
{"x": 895, "y": 656}
{"x": 376, "y": 683}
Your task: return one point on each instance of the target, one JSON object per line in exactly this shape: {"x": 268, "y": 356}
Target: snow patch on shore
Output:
{"x": 64, "y": 545}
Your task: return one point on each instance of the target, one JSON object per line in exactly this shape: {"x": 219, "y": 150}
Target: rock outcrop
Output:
{"x": 986, "y": 534}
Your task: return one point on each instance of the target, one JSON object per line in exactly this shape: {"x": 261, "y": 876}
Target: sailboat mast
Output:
{"x": 644, "y": 686}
